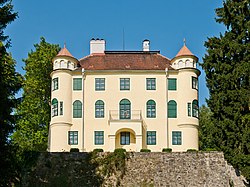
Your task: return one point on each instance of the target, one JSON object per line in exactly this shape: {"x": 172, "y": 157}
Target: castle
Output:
{"x": 124, "y": 99}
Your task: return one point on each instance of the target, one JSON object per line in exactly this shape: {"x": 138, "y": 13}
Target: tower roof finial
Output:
{"x": 64, "y": 46}
{"x": 184, "y": 41}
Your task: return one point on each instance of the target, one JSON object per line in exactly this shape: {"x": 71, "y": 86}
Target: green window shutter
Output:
{"x": 77, "y": 83}
{"x": 77, "y": 109}
{"x": 172, "y": 84}
{"x": 172, "y": 109}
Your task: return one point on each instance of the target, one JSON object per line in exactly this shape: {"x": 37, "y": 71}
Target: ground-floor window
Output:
{"x": 176, "y": 137}
{"x": 99, "y": 137}
{"x": 125, "y": 138}
{"x": 151, "y": 137}
{"x": 73, "y": 137}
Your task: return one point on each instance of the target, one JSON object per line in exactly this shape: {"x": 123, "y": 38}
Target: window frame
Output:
{"x": 151, "y": 137}
{"x": 77, "y": 84}
{"x": 126, "y": 140}
{"x": 54, "y": 107}
{"x": 99, "y": 137}
{"x": 99, "y": 109}
{"x": 124, "y": 84}
{"x": 195, "y": 83}
{"x": 55, "y": 85}
{"x": 151, "y": 109}
{"x": 172, "y": 106}
{"x": 73, "y": 137}
{"x": 172, "y": 84}
{"x": 77, "y": 109}
{"x": 150, "y": 83}
{"x": 99, "y": 84}
{"x": 195, "y": 108}
{"x": 176, "y": 138}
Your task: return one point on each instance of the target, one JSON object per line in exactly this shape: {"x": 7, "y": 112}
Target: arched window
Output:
{"x": 125, "y": 109}
{"x": 151, "y": 109}
{"x": 99, "y": 109}
{"x": 195, "y": 107}
{"x": 172, "y": 109}
{"x": 77, "y": 109}
{"x": 54, "y": 109}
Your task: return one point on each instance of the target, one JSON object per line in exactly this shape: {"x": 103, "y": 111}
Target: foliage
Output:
{"x": 167, "y": 150}
{"x": 227, "y": 70}
{"x": 34, "y": 111}
{"x": 74, "y": 150}
{"x": 192, "y": 150}
{"x": 145, "y": 150}
{"x": 10, "y": 83}
{"x": 6, "y": 17}
{"x": 98, "y": 150}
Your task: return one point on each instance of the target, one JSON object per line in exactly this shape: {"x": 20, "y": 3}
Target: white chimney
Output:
{"x": 145, "y": 45}
{"x": 97, "y": 45}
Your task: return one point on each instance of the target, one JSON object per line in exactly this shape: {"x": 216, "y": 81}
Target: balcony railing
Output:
{"x": 125, "y": 115}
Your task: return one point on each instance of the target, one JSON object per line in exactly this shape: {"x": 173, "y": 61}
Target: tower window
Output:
{"x": 172, "y": 84}
{"x": 77, "y": 83}
{"x": 194, "y": 83}
{"x": 61, "y": 108}
{"x": 55, "y": 84}
{"x": 54, "y": 109}
{"x": 195, "y": 107}
{"x": 189, "y": 109}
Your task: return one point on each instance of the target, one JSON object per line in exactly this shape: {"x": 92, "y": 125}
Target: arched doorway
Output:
{"x": 125, "y": 138}
{"x": 125, "y": 109}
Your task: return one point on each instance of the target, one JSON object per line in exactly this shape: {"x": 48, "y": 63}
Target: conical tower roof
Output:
{"x": 184, "y": 51}
{"x": 64, "y": 52}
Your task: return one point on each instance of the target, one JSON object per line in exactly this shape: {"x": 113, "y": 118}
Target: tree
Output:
{"x": 6, "y": 17}
{"x": 10, "y": 83}
{"x": 34, "y": 111}
{"x": 227, "y": 70}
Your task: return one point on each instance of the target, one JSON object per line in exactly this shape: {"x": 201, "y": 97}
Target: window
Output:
{"x": 125, "y": 109}
{"x": 125, "y": 138}
{"x": 172, "y": 109}
{"x": 151, "y": 137}
{"x": 194, "y": 83}
{"x": 125, "y": 84}
{"x": 55, "y": 84}
{"x": 54, "y": 110}
{"x": 77, "y": 109}
{"x": 73, "y": 137}
{"x": 151, "y": 109}
{"x": 61, "y": 108}
{"x": 189, "y": 109}
{"x": 99, "y": 84}
{"x": 99, "y": 137}
{"x": 151, "y": 84}
{"x": 171, "y": 84}
{"x": 195, "y": 106}
{"x": 77, "y": 83}
{"x": 176, "y": 137}
{"x": 99, "y": 109}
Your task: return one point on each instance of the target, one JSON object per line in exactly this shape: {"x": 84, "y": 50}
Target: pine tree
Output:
{"x": 32, "y": 127}
{"x": 227, "y": 67}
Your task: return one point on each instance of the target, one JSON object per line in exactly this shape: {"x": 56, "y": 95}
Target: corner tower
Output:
{"x": 61, "y": 100}
{"x": 185, "y": 63}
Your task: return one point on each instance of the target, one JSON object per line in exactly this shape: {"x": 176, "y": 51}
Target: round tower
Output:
{"x": 61, "y": 100}
{"x": 187, "y": 96}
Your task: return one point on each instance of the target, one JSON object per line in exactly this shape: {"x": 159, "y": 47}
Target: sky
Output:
{"x": 164, "y": 22}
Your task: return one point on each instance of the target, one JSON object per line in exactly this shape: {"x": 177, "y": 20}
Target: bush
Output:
{"x": 74, "y": 150}
{"x": 98, "y": 150}
{"x": 192, "y": 150}
{"x": 145, "y": 150}
{"x": 119, "y": 150}
{"x": 210, "y": 149}
{"x": 167, "y": 150}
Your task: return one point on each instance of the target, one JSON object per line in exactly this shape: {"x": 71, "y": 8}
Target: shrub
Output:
{"x": 210, "y": 149}
{"x": 167, "y": 150}
{"x": 74, "y": 150}
{"x": 192, "y": 150}
{"x": 98, "y": 150}
{"x": 145, "y": 150}
{"x": 119, "y": 150}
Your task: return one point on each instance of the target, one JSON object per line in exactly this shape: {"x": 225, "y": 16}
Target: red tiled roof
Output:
{"x": 125, "y": 61}
{"x": 184, "y": 51}
{"x": 64, "y": 52}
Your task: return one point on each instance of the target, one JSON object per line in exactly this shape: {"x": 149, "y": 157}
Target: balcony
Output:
{"x": 125, "y": 115}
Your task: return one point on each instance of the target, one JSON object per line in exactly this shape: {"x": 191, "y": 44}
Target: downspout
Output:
{"x": 166, "y": 71}
{"x": 83, "y": 111}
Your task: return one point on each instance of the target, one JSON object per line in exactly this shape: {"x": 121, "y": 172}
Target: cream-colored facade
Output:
{"x": 124, "y": 99}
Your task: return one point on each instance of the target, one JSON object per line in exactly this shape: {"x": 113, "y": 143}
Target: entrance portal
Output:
{"x": 126, "y": 139}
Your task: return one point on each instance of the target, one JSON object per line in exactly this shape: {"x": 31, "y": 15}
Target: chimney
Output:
{"x": 97, "y": 45}
{"x": 145, "y": 45}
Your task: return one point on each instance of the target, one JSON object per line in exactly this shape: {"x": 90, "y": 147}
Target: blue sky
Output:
{"x": 164, "y": 22}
